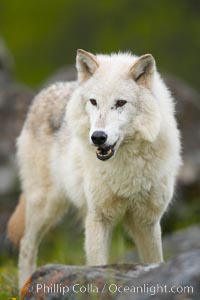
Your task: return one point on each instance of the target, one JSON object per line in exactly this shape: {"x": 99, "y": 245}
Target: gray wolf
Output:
{"x": 109, "y": 144}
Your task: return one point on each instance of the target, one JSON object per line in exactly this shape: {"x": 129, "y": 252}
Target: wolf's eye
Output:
{"x": 120, "y": 103}
{"x": 93, "y": 102}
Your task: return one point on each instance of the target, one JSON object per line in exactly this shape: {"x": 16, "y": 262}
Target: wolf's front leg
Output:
{"x": 97, "y": 240}
{"x": 147, "y": 238}
{"x": 148, "y": 241}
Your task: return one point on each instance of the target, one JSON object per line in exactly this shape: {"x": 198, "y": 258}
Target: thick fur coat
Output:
{"x": 107, "y": 143}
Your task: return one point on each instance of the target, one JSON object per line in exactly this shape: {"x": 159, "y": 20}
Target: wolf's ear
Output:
{"x": 86, "y": 64}
{"x": 143, "y": 69}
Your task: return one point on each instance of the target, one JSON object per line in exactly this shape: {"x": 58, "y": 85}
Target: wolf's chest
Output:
{"x": 130, "y": 179}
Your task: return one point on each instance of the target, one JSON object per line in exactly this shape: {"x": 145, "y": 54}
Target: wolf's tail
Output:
{"x": 16, "y": 224}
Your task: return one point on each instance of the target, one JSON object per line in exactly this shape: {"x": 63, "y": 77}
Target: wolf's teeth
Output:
{"x": 99, "y": 152}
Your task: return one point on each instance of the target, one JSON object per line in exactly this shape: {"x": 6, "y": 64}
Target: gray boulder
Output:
{"x": 177, "y": 279}
{"x": 15, "y": 99}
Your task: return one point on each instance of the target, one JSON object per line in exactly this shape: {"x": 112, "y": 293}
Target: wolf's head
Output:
{"x": 119, "y": 99}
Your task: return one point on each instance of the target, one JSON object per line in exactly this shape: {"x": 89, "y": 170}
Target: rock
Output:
{"x": 14, "y": 102}
{"x": 181, "y": 241}
{"x": 118, "y": 281}
{"x": 181, "y": 271}
{"x": 188, "y": 116}
{"x": 15, "y": 99}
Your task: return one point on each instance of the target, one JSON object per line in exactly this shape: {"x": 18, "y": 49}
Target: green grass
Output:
{"x": 8, "y": 280}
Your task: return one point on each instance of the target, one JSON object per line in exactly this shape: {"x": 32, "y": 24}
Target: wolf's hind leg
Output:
{"x": 42, "y": 212}
{"x": 147, "y": 238}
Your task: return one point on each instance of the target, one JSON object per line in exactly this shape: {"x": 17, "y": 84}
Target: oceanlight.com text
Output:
{"x": 111, "y": 288}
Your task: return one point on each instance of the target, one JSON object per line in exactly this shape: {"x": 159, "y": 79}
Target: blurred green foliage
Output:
{"x": 44, "y": 35}
{"x": 8, "y": 281}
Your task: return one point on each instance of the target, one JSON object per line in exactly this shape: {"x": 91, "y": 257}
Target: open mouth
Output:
{"x": 105, "y": 152}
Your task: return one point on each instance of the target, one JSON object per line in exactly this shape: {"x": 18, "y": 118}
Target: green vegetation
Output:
{"x": 8, "y": 281}
{"x": 44, "y": 35}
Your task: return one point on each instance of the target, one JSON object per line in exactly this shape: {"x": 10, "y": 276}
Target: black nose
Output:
{"x": 99, "y": 137}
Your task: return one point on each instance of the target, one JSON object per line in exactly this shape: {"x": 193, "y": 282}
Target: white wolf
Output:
{"x": 107, "y": 143}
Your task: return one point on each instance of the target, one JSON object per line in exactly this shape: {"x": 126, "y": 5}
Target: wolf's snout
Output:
{"x": 99, "y": 137}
